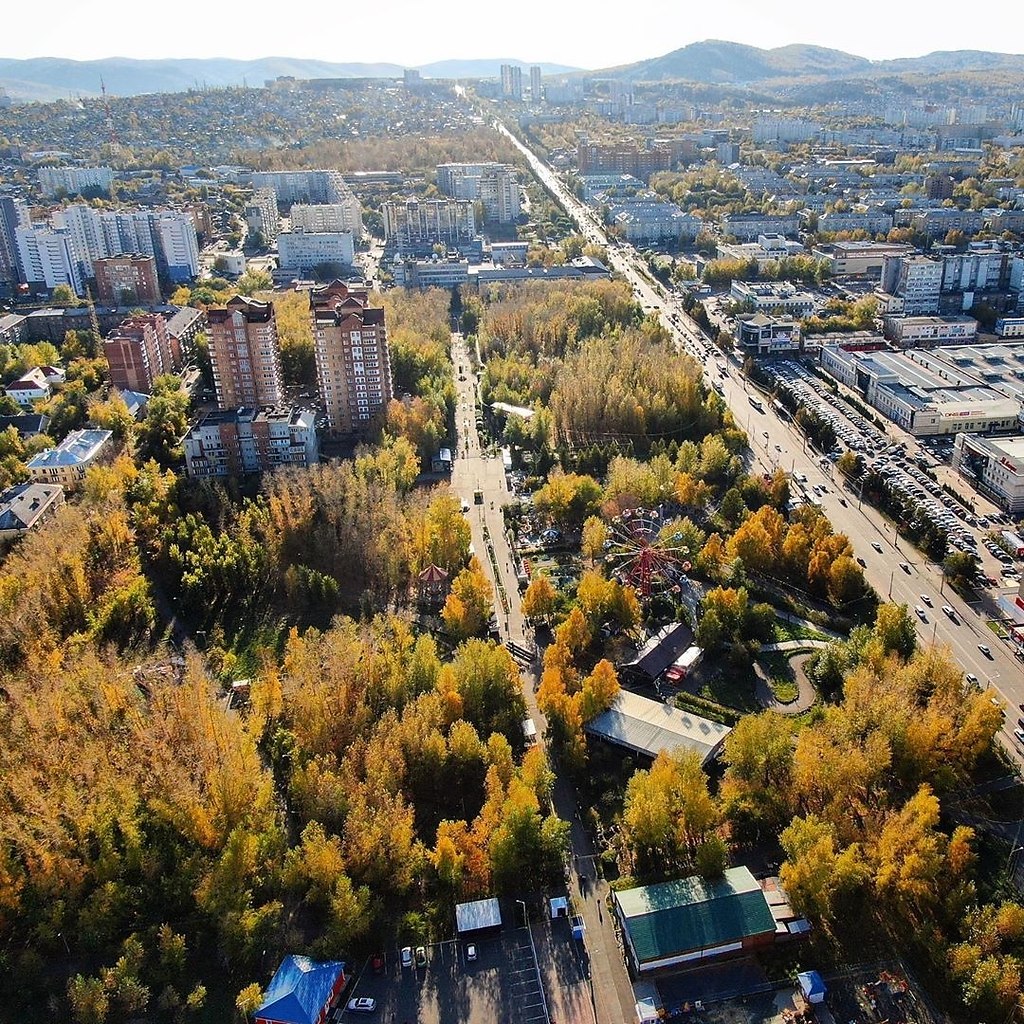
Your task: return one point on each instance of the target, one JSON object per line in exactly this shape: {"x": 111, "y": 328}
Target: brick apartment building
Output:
{"x": 352, "y": 359}
{"x": 126, "y": 280}
{"x": 245, "y": 355}
{"x": 139, "y": 350}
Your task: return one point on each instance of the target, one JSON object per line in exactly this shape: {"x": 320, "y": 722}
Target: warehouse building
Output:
{"x": 692, "y": 919}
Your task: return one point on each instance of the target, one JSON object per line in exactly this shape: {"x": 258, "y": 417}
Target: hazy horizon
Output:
{"x": 570, "y": 33}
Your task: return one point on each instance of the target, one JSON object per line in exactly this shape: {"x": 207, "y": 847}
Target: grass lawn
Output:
{"x": 786, "y": 630}
{"x": 729, "y": 688}
{"x": 998, "y": 628}
{"x": 781, "y": 677}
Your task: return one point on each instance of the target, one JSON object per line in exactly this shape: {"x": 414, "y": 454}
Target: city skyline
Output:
{"x": 538, "y": 33}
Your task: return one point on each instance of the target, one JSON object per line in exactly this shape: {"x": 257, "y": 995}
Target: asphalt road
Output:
{"x": 860, "y": 522}
{"x": 476, "y": 469}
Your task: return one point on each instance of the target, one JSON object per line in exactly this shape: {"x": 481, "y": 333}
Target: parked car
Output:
{"x": 471, "y": 951}
{"x": 362, "y": 1005}
{"x": 407, "y": 956}
{"x": 421, "y": 956}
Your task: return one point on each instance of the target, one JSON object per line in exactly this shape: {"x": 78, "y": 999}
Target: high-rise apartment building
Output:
{"x": 46, "y": 258}
{"x": 912, "y": 283}
{"x": 416, "y": 223}
{"x": 139, "y": 350}
{"x": 353, "y": 363}
{"x": 74, "y": 180}
{"x": 260, "y": 213}
{"x": 495, "y": 185}
{"x": 168, "y": 235}
{"x": 13, "y": 215}
{"x": 315, "y": 186}
{"x": 535, "y": 87}
{"x": 324, "y": 217}
{"x": 245, "y": 354}
{"x": 511, "y": 82}
{"x": 126, "y": 280}
{"x": 303, "y": 252}
{"x": 176, "y": 244}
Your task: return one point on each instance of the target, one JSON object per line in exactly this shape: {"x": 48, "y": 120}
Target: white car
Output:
{"x": 927, "y": 600}
{"x": 407, "y": 956}
{"x": 920, "y": 613}
{"x": 362, "y": 1005}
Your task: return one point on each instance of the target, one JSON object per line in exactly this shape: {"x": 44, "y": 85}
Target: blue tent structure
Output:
{"x": 301, "y": 991}
{"x": 812, "y": 985}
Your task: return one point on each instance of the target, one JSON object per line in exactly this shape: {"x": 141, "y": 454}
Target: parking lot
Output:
{"x": 902, "y": 467}
{"x": 501, "y": 986}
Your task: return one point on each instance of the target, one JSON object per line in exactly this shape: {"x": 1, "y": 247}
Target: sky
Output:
{"x": 591, "y": 34}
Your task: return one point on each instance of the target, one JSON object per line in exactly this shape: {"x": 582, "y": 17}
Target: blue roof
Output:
{"x": 299, "y": 990}
{"x": 812, "y": 983}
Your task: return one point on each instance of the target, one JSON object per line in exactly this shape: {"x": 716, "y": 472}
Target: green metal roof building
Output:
{"x": 692, "y": 919}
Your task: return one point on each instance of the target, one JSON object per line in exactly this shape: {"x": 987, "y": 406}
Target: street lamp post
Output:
{"x": 891, "y": 575}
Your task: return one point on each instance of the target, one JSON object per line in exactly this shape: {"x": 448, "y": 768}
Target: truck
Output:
{"x": 478, "y": 497}
{"x": 1013, "y": 542}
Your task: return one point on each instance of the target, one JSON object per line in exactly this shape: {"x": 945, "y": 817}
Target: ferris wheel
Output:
{"x": 640, "y": 555}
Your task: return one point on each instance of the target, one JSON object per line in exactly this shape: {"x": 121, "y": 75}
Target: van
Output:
{"x": 530, "y": 732}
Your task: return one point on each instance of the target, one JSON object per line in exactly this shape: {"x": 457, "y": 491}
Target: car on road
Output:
{"x": 927, "y": 600}
{"x": 876, "y": 546}
{"x": 1019, "y": 734}
{"x": 905, "y": 567}
{"x": 971, "y": 678}
{"x": 920, "y": 613}
{"x": 862, "y": 563}
{"x": 471, "y": 951}
{"x": 421, "y": 956}
{"x": 362, "y": 1005}
{"x": 949, "y": 611}
{"x": 407, "y": 956}
{"x": 985, "y": 649}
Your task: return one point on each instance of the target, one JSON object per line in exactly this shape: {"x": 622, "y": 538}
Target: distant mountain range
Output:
{"x": 713, "y": 62}
{"x": 716, "y": 62}
{"x": 50, "y": 78}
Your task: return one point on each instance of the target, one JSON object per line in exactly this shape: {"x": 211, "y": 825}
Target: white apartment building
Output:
{"x": 495, "y": 185}
{"x": 784, "y": 130}
{"x": 747, "y": 226}
{"x": 302, "y": 251}
{"x": 168, "y": 235}
{"x": 873, "y": 221}
{"x": 235, "y": 441}
{"x": 178, "y": 247}
{"x": 653, "y": 221}
{"x": 74, "y": 180}
{"x": 324, "y": 217}
{"x": 260, "y": 213}
{"x": 315, "y": 186}
{"x": 911, "y": 284}
{"x": 46, "y": 257}
{"x": 412, "y": 223}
